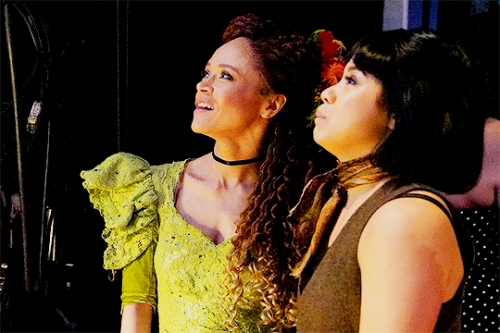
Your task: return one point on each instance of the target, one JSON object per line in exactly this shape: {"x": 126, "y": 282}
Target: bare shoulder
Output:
{"x": 487, "y": 189}
{"x": 491, "y": 157}
{"x": 492, "y": 127}
{"x": 410, "y": 264}
{"x": 410, "y": 217}
{"x": 412, "y": 239}
{"x": 491, "y": 160}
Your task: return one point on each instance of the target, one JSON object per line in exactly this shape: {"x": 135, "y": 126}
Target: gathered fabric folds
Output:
{"x": 122, "y": 189}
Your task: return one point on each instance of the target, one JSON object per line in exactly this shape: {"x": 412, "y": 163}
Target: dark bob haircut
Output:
{"x": 427, "y": 88}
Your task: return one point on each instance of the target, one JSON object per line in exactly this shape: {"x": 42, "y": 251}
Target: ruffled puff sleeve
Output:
{"x": 122, "y": 189}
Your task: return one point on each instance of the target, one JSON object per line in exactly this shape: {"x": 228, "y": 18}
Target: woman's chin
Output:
{"x": 199, "y": 129}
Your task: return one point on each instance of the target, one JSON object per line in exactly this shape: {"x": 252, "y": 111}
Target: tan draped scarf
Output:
{"x": 325, "y": 196}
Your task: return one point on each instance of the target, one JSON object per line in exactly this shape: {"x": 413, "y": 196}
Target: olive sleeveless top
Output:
{"x": 330, "y": 287}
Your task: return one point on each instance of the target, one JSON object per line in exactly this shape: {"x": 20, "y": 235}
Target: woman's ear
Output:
{"x": 276, "y": 103}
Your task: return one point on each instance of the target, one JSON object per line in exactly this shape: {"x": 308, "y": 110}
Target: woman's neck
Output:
{"x": 231, "y": 173}
{"x": 233, "y": 176}
{"x": 234, "y": 151}
{"x": 358, "y": 195}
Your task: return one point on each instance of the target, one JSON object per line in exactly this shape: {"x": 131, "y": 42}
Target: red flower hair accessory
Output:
{"x": 333, "y": 62}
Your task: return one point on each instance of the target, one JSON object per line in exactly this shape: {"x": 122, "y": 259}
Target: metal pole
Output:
{"x": 122, "y": 26}
{"x": 26, "y": 273}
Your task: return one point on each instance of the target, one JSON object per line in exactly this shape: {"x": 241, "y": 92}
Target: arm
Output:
{"x": 139, "y": 293}
{"x": 121, "y": 188}
{"x": 410, "y": 265}
{"x": 136, "y": 318}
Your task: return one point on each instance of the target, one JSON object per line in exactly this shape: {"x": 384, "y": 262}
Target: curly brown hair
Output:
{"x": 263, "y": 254}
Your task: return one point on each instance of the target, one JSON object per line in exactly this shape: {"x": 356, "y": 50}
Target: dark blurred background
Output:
{"x": 120, "y": 76}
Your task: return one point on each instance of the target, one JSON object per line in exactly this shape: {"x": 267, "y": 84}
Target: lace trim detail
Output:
{"x": 190, "y": 268}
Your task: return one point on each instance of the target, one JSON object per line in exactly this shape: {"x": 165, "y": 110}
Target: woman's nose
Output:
{"x": 328, "y": 95}
{"x": 204, "y": 86}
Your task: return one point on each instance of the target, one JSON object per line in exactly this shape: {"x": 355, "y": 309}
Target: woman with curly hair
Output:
{"x": 172, "y": 227}
{"x": 384, "y": 250}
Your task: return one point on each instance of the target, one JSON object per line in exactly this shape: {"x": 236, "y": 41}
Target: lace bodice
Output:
{"x": 189, "y": 266}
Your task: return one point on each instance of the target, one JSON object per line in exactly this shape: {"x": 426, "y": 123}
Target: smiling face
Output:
{"x": 351, "y": 122}
{"x": 228, "y": 98}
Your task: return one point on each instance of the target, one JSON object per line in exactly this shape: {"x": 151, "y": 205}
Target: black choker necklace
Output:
{"x": 241, "y": 162}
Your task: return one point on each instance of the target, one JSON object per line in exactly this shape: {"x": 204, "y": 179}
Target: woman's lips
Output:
{"x": 319, "y": 115}
{"x": 202, "y": 106}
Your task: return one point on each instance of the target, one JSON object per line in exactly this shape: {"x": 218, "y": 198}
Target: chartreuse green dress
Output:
{"x": 166, "y": 262}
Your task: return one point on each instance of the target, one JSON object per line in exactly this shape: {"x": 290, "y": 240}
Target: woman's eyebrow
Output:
{"x": 226, "y": 66}
{"x": 231, "y": 67}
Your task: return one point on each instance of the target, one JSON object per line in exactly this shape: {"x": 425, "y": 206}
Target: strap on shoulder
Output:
{"x": 428, "y": 198}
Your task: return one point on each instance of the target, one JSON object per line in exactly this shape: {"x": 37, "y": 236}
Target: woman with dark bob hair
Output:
{"x": 172, "y": 227}
{"x": 384, "y": 251}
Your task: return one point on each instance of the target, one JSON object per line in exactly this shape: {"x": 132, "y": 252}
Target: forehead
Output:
{"x": 238, "y": 51}
{"x": 351, "y": 68}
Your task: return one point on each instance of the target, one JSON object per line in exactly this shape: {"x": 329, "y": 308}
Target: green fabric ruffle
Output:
{"x": 122, "y": 189}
